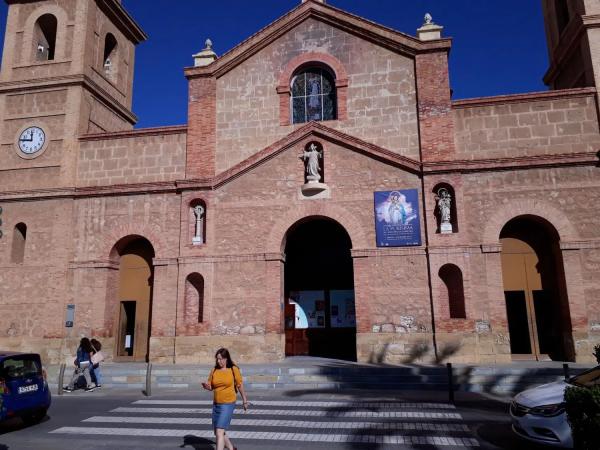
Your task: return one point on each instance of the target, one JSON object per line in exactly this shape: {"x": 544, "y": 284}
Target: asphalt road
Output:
{"x": 276, "y": 420}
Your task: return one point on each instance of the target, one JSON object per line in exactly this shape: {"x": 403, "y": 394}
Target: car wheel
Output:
{"x": 35, "y": 417}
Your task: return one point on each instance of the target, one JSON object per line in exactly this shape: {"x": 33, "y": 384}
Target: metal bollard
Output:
{"x": 148, "y": 391}
{"x": 450, "y": 383}
{"x": 566, "y": 371}
{"x": 61, "y": 377}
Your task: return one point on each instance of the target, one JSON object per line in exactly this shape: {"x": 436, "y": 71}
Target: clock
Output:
{"x": 31, "y": 140}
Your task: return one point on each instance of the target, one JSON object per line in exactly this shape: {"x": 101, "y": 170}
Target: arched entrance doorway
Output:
{"x": 537, "y": 306}
{"x": 134, "y": 298}
{"x": 320, "y": 318}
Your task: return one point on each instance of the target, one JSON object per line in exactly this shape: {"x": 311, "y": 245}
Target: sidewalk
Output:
{"x": 307, "y": 374}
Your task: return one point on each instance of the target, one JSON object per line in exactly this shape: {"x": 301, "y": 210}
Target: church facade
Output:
{"x": 327, "y": 196}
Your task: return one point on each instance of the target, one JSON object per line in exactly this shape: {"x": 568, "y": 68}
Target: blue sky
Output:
{"x": 499, "y": 46}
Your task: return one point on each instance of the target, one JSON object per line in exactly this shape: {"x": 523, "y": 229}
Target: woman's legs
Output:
{"x": 98, "y": 374}
{"x": 228, "y": 443}
{"x": 87, "y": 376}
{"x": 220, "y": 434}
{"x": 76, "y": 375}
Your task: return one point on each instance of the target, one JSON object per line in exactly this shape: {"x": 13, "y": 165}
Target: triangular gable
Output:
{"x": 379, "y": 34}
{"x": 311, "y": 129}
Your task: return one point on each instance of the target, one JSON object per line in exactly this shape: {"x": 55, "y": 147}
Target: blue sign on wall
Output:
{"x": 397, "y": 221}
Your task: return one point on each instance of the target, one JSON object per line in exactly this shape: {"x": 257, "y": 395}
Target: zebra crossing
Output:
{"x": 380, "y": 424}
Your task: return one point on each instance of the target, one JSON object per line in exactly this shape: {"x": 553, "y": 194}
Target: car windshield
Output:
{"x": 587, "y": 379}
{"x": 19, "y": 367}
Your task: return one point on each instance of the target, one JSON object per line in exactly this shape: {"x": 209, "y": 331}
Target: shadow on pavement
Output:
{"x": 197, "y": 443}
{"x": 502, "y": 436}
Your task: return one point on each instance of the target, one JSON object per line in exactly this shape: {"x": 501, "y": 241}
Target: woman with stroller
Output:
{"x": 83, "y": 366}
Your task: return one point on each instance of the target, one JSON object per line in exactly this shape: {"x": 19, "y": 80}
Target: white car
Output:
{"x": 539, "y": 415}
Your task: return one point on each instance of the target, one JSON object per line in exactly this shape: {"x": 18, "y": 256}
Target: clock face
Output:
{"x": 31, "y": 140}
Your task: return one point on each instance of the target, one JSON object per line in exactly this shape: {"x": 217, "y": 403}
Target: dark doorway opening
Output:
{"x": 320, "y": 317}
{"x": 127, "y": 329}
{"x": 134, "y": 295}
{"x": 537, "y": 306}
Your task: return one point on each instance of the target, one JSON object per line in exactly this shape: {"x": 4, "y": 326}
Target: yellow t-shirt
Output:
{"x": 221, "y": 381}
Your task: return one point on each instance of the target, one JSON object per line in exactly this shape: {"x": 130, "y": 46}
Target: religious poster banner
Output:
{"x": 397, "y": 221}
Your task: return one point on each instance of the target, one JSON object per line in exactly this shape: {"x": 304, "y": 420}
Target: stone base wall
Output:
{"x": 247, "y": 349}
{"x": 386, "y": 348}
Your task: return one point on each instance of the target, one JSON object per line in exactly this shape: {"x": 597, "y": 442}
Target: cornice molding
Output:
{"x": 523, "y": 98}
{"x": 143, "y": 132}
{"x": 121, "y": 18}
{"x": 84, "y": 81}
{"x": 516, "y": 163}
{"x": 310, "y": 130}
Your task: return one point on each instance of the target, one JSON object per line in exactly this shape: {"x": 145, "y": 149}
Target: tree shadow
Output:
{"x": 197, "y": 443}
{"x": 378, "y": 357}
{"x": 446, "y": 352}
{"x": 417, "y": 352}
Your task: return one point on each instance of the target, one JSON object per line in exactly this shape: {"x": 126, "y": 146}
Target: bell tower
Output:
{"x": 573, "y": 36}
{"x": 67, "y": 70}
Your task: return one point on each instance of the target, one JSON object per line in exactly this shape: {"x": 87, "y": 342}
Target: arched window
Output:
{"x": 18, "y": 244}
{"x": 313, "y": 95}
{"x": 453, "y": 279}
{"x": 194, "y": 299}
{"x": 109, "y": 62}
{"x": 44, "y": 37}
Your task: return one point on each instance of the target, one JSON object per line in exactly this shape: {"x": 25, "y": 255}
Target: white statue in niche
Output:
{"x": 311, "y": 159}
{"x": 444, "y": 204}
{"x": 198, "y": 238}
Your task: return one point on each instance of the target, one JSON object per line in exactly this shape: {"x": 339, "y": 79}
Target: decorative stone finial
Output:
{"x": 205, "y": 56}
{"x": 429, "y": 31}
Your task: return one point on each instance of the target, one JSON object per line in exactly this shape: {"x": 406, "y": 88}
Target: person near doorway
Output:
{"x": 83, "y": 366}
{"x": 225, "y": 381}
{"x": 96, "y": 358}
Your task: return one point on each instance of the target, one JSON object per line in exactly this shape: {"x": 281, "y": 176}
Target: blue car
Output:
{"x": 24, "y": 389}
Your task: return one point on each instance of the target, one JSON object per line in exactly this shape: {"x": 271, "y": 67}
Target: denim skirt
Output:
{"x": 221, "y": 414}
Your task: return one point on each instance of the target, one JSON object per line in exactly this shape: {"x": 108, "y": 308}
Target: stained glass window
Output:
{"x": 313, "y": 96}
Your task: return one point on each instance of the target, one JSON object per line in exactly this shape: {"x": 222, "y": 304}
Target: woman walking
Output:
{"x": 225, "y": 380}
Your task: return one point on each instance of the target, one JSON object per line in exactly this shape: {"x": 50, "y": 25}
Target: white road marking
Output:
{"x": 388, "y": 426}
{"x": 315, "y": 404}
{"x": 256, "y": 435}
{"x": 315, "y": 413}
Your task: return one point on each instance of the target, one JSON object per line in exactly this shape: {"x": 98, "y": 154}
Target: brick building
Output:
{"x": 257, "y": 225}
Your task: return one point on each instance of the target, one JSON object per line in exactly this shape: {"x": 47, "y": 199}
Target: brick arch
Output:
{"x": 61, "y": 31}
{"x": 547, "y": 211}
{"x": 275, "y": 242}
{"x": 312, "y": 57}
{"x": 152, "y": 234}
{"x": 341, "y": 82}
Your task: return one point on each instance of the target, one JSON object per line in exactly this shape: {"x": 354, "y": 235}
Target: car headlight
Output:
{"x": 548, "y": 410}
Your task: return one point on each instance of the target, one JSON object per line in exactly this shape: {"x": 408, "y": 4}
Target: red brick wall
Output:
{"x": 201, "y": 147}
{"x": 436, "y": 122}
